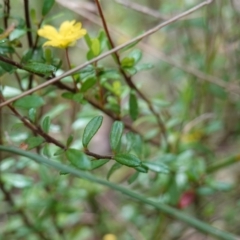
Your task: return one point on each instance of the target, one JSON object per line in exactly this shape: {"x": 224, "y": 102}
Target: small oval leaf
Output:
{"x": 33, "y": 142}
{"x": 156, "y": 167}
{"x": 90, "y": 82}
{"x": 116, "y": 134}
{"x": 98, "y": 163}
{"x": 27, "y": 102}
{"x": 46, "y": 124}
{"x": 128, "y": 62}
{"x": 32, "y": 114}
{"x": 69, "y": 140}
{"x": 40, "y": 68}
{"x": 142, "y": 169}
{"x": 128, "y": 159}
{"x": 78, "y": 159}
{"x": 133, "y": 106}
{"x": 95, "y": 46}
{"x": 136, "y": 54}
{"x": 91, "y": 129}
{"x": 47, "y": 5}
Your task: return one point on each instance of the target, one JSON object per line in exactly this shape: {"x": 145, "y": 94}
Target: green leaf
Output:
{"x": 157, "y": 167}
{"x": 6, "y": 49}
{"x": 114, "y": 167}
{"x": 87, "y": 84}
{"x": 47, "y": 5}
{"x": 45, "y": 150}
{"x": 31, "y": 101}
{"x": 27, "y": 55}
{"x": 130, "y": 70}
{"x": 17, "y": 180}
{"x": 78, "y": 97}
{"x": 133, "y": 106}
{"x": 46, "y": 124}
{"x": 40, "y": 68}
{"x": 7, "y": 67}
{"x": 88, "y": 40}
{"x": 142, "y": 169}
{"x": 90, "y": 55}
{"x": 91, "y": 129}
{"x": 127, "y": 159}
{"x": 133, "y": 178}
{"x": 32, "y": 114}
{"x": 78, "y": 159}
{"x": 98, "y": 163}
{"x": 144, "y": 66}
{"x": 33, "y": 16}
{"x": 95, "y": 47}
{"x": 128, "y": 62}
{"x": 68, "y": 95}
{"x": 33, "y": 142}
{"x": 59, "y": 152}
{"x": 69, "y": 140}
{"x": 48, "y": 55}
{"x": 16, "y": 33}
{"x": 136, "y": 54}
{"x": 116, "y": 134}
{"x": 102, "y": 40}
{"x": 134, "y": 143}
{"x": 109, "y": 74}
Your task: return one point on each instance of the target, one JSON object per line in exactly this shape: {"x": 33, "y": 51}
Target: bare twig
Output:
{"x": 81, "y": 66}
{"x": 28, "y": 23}
{"x": 6, "y": 10}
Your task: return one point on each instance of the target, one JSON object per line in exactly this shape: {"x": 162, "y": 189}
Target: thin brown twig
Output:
{"x": 28, "y": 23}
{"x": 98, "y": 156}
{"x": 136, "y": 39}
{"x": 6, "y": 10}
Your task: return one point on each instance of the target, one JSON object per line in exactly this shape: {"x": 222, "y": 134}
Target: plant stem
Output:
{"x": 69, "y": 66}
{"x": 28, "y": 23}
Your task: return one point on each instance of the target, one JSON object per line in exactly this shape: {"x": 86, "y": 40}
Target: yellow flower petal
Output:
{"x": 47, "y": 32}
{"x": 68, "y": 34}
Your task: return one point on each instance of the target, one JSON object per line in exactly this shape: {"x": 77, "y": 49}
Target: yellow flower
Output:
{"x": 109, "y": 236}
{"x": 68, "y": 34}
